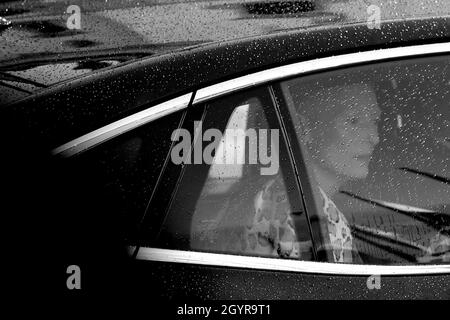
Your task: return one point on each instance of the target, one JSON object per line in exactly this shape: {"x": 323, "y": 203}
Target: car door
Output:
{"x": 104, "y": 180}
{"x": 217, "y": 229}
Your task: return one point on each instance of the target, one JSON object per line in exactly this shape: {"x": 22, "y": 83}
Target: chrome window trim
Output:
{"x": 260, "y": 263}
{"x": 299, "y": 68}
{"x": 121, "y": 126}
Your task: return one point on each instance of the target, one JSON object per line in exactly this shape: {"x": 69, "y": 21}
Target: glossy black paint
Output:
{"x": 179, "y": 281}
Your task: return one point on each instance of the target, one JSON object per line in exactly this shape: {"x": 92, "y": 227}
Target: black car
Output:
{"x": 301, "y": 164}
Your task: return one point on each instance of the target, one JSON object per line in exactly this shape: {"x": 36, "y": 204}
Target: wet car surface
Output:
{"x": 91, "y": 204}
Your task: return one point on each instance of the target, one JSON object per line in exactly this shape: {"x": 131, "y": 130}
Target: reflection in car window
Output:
{"x": 123, "y": 172}
{"x": 375, "y": 141}
{"x": 238, "y": 203}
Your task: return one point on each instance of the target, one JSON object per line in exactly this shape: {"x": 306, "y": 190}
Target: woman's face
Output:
{"x": 348, "y": 142}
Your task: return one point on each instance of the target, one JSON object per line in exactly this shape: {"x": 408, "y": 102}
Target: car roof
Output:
{"x": 76, "y": 107}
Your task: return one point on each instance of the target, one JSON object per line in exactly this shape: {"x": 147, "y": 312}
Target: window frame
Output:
{"x": 177, "y": 172}
{"x": 266, "y": 77}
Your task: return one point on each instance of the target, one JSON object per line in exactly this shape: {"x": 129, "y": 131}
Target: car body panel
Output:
{"x": 182, "y": 281}
{"x": 68, "y": 110}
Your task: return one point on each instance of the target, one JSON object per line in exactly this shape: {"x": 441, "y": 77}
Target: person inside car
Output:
{"x": 338, "y": 133}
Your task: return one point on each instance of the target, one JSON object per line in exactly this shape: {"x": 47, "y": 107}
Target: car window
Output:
{"x": 375, "y": 142}
{"x": 239, "y": 196}
{"x": 120, "y": 174}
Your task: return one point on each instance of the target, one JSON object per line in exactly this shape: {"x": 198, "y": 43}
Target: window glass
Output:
{"x": 376, "y": 144}
{"x": 120, "y": 175}
{"x": 240, "y": 196}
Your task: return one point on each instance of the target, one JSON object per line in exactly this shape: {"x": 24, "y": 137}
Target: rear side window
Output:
{"x": 237, "y": 193}
{"x": 120, "y": 175}
{"x": 375, "y": 141}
